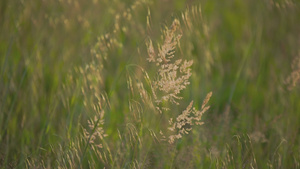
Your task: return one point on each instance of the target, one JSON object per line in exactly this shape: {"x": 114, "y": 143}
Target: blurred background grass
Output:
{"x": 242, "y": 51}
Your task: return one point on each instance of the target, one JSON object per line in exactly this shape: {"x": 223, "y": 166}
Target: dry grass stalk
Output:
{"x": 189, "y": 117}
{"x": 172, "y": 77}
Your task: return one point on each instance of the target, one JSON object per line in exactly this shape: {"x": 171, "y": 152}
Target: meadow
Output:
{"x": 150, "y": 84}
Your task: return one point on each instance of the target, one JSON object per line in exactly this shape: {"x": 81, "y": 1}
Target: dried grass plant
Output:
{"x": 172, "y": 77}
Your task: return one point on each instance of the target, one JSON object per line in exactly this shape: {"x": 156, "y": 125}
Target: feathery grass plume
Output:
{"x": 294, "y": 78}
{"x": 189, "y": 117}
{"x": 94, "y": 133}
{"x": 97, "y": 131}
{"x": 95, "y": 102}
{"x": 94, "y": 137}
{"x": 172, "y": 77}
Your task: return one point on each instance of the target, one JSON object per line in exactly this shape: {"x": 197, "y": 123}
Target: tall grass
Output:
{"x": 128, "y": 84}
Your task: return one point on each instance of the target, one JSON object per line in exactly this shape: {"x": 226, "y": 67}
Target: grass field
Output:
{"x": 150, "y": 84}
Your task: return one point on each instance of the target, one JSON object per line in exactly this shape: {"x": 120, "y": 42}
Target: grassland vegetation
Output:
{"x": 149, "y": 84}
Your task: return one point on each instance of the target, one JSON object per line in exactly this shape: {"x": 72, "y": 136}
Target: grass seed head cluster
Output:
{"x": 173, "y": 75}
